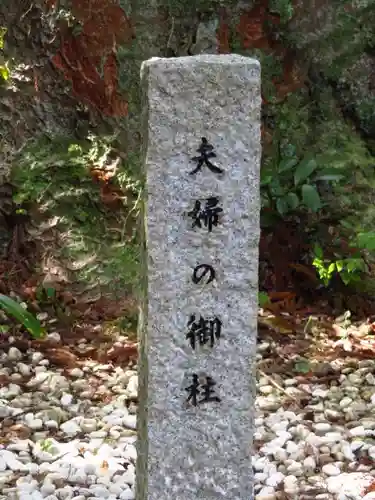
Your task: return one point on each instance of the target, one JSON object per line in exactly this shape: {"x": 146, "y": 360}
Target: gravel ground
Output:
{"x": 69, "y": 434}
{"x": 316, "y": 440}
{"x": 66, "y": 434}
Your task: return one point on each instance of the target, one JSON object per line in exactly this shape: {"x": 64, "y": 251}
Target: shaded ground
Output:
{"x": 69, "y": 251}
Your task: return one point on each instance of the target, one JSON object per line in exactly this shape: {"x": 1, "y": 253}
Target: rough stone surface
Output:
{"x": 199, "y": 452}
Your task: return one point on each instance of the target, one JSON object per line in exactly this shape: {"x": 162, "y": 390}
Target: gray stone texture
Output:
{"x": 199, "y": 452}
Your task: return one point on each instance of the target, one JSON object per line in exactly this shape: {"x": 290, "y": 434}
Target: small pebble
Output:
{"x": 76, "y": 372}
{"x": 14, "y": 354}
{"x": 70, "y": 428}
{"x": 24, "y": 369}
{"x": 36, "y": 357}
{"x": 275, "y": 479}
{"x": 322, "y": 427}
{"x": 66, "y": 400}
{"x": 358, "y": 431}
{"x": 42, "y": 316}
{"x": 291, "y": 484}
{"x": 331, "y": 470}
{"x": 345, "y": 402}
{"x": 36, "y": 424}
{"x": 54, "y": 337}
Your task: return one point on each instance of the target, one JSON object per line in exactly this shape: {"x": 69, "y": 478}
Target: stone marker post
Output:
{"x": 198, "y": 333}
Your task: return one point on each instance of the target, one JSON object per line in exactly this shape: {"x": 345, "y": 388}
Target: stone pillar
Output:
{"x": 198, "y": 331}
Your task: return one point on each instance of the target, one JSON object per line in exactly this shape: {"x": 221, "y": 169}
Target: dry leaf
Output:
{"x": 278, "y": 324}
{"x": 104, "y": 465}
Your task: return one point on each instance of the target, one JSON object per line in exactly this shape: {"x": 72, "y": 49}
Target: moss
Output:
{"x": 365, "y": 111}
{"x": 271, "y": 69}
{"x": 290, "y": 121}
{"x": 337, "y": 43}
{"x": 319, "y": 127}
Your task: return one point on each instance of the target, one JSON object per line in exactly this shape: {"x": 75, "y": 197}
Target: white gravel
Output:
{"x": 70, "y": 434}
{"x": 59, "y": 443}
{"x": 323, "y": 449}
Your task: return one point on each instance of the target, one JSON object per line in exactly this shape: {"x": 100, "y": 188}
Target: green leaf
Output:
{"x": 2, "y": 34}
{"x": 305, "y": 168}
{"x": 346, "y": 277}
{"x": 302, "y": 366}
{"x": 276, "y": 188}
{"x": 311, "y": 198}
{"x": 287, "y": 164}
{"x": 292, "y": 200}
{"x": 339, "y": 265}
{"x": 347, "y": 225}
{"x": 50, "y": 292}
{"x": 13, "y": 308}
{"x": 4, "y": 73}
{"x": 282, "y": 205}
{"x": 289, "y": 150}
{"x": 331, "y": 268}
{"x": 353, "y": 265}
{"x": 366, "y": 241}
{"x": 318, "y": 251}
{"x": 266, "y": 180}
{"x": 263, "y": 299}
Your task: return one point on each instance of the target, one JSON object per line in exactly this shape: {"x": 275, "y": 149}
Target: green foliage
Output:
{"x": 349, "y": 269}
{"x": 46, "y": 296}
{"x": 315, "y": 162}
{"x": 4, "y": 65}
{"x": 3, "y": 32}
{"x": 292, "y": 123}
{"x": 128, "y": 324}
{"x": 345, "y": 32}
{"x": 366, "y": 114}
{"x": 263, "y": 299}
{"x": 311, "y": 197}
{"x": 47, "y": 172}
{"x": 284, "y": 8}
{"x": 16, "y": 311}
{"x": 46, "y": 445}
{"x": 99, "y": 243}
{"x": 334, "y": 177}
{"x": 302, "y": 365}
{"x": 316, "y": 167}
{"x": 4, "y": 72}
{"x": 350, "y": 35}
{"x": 365, "y": 241}
{"x": 292, "y": 184}
{"x": 337, "y": 143}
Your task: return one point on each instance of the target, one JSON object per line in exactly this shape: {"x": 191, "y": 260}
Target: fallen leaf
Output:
{"x": 346, "y": 344}
{"x": 104, "y": 465}
{"x": 339, "y": 330}
{"x": 19, "y": 431}
{"x": 62, "y": 357}
{"x": 278, "y": 324}
{"x": 120, "y": 354}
